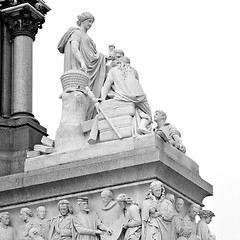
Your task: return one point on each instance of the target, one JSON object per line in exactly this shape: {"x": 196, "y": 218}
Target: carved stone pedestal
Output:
{"x": 17, "y": 136}
{"x": 69, "y": 134}
{"x": 126, "y": 166}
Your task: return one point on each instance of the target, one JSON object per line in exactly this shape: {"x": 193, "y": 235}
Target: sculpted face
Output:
{"x": 23, "y": 216}
{"x": 193, "y": 212}
{"x": 157, "y": 191}
{"x": 41, "y": 212}
{"x": 208, "y": 220}
{"x": 106, "y": 199}
{"x": 158, "y": 116}
{"x": 122, "y": 204}
{"x": 5, "y": 220}
{"x": 179, "y": 205}
{"x": 83, "y": 206}
{"x": 63, "y": 208}
{"x": 117, "y": 57}
{"x": 87, "y": 23}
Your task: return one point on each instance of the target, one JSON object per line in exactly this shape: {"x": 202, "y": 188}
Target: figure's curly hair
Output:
{"x": 69, "y": 205}
{"x": 206, "y": 214}
{"x": 2, "y": 214}
{"x": 124, "y": 198}
{"x": 152, "y": 186}
{"x": 27, "y": 211}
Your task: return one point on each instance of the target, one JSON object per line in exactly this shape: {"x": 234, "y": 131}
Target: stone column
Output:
{"x": 22, "y": 76}
{"x": 6, "y": 73}
{"x": 23, "y": 20}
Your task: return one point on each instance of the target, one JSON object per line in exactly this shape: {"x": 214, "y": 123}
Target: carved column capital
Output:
{"x": 23, "y": 19}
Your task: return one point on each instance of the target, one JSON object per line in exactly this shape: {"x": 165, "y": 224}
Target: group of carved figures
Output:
{"x": 112, "y": 77}
{"x": 159, "y": 218}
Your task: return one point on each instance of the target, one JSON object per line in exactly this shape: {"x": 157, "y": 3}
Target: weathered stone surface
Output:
{"x": 71, "y": 172}
{"x": 17, "y": 136}
{"x": 122, "y": 124}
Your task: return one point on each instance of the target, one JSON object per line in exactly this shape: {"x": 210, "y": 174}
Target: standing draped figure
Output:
{"x": 157, "y": 214}
{"x": 80, "y": 52}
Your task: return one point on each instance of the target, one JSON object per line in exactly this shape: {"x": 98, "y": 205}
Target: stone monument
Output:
{"x": 101, "y": 143}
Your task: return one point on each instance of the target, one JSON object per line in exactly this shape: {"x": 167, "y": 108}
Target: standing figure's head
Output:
{"x": 193, "y": 210}
{"x": 41, "y": 212}
{"x": 107, "y": 197}
{"x": 85, "y": 20}
{"x": 179, "y": 205}
{"x": 25, "y": 214}
{"x": 206, "y": 215}
{"x": 157, "y": 189}
{"x": 123, "y": 200}
{"x": 160, "y": 116}
{"x": 83, "y": 204}
{"x": 65, "y": 207}
{"x": 4, "y": 218}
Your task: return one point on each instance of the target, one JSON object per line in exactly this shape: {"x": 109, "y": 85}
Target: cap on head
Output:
{"x": 82, "y": 199}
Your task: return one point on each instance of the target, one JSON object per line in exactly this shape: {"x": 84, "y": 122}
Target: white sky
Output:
{"x": 187, "y": 54}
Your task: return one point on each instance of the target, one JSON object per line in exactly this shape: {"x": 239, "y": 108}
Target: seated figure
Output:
{"x": 167, "y": 131}
{"x": 128, "y": 89}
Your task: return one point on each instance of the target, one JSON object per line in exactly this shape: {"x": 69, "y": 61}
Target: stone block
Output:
{"x": 122, "y": 124}
{"x": 16, "y": 137}
{"x": 114, "y": 108}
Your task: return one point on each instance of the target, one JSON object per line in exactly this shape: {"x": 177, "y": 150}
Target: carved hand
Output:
{"x": 83, "y": 66}
{"x": 109, "y": 232}
{"x": 125, "y": 226}
{"x": 98, "y": 232}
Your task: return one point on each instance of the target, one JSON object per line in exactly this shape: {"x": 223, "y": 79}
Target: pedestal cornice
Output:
{"x": 105, "y": 165}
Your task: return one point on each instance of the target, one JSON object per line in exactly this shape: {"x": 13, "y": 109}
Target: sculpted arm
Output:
{"x": 82, "y": 230}
{"x": 77, "y": 54}
{"x": 145, "y": 215}
{"x": 176, "y": 136}
{"x": 102, "y": 227}
{"x": 107, "y": 85}
{"x": 136, "y": 218}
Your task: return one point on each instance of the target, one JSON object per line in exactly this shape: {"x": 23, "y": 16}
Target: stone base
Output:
{"x": 108, "y": 164}
{"x": 17, "y": 136}
{"x": 126, "y": 166}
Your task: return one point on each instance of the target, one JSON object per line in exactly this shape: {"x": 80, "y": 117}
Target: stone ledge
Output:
{"x": 142, "y": 159}
{"x": 111, "y": 147}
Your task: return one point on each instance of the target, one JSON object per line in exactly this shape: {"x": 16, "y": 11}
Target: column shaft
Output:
{"x": 22, "y": 76}
{"x": 6, "y": 65}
